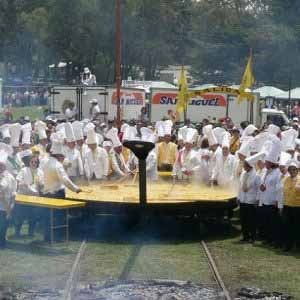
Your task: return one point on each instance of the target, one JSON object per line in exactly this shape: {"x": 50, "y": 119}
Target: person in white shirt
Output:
{"x": 223, "y": 171}
{"x": 186, "y": 163}
{"x": 119, "y": 166}
{"x": 271, "y": 192}
{"x": 73, "y": 162}
{"x": 94, "y": 110}
{"x": 30, "y": 182}
{"x": 248, "y": 198}
{"x": 96, "y": 160}
{"x": 203, "y": 172}
{"x": 8, "y": 187}
{"x": 56, "y": 179}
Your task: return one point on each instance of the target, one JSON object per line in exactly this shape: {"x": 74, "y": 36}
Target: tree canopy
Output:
{"x": 212, "y": 36}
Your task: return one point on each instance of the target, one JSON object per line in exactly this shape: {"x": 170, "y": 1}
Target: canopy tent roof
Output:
{"x": 202, "y": 87}
{"x": 295, "y": 94}
{"x": 268, "y": 91}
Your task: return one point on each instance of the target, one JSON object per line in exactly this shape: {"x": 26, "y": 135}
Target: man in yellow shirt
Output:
{"x": 167, "y": 151}
{"x": 291, "y": 209}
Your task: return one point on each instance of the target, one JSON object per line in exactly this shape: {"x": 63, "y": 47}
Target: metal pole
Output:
{"x": 143, "y": 183}
{"x": 118, "y": 60}
{"x": 289, "y": 108}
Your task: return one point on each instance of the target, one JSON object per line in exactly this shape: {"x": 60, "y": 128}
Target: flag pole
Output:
{"x": 118, "y": 61}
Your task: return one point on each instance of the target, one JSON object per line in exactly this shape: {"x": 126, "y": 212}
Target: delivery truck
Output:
{"x": 214, "y": 104}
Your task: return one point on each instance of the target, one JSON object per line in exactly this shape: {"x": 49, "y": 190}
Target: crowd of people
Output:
{"x": 44, "y": 157}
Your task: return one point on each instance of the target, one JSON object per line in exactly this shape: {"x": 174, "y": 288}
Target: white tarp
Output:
{"x": 295, "y": 94}
{"x": 268, "y": 91}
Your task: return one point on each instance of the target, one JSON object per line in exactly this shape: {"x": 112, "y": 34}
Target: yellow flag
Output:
{"x": 183, "y": 94}
{"x": 248, "y": 79}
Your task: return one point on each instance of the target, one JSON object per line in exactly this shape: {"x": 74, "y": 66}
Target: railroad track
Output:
{"x": 215, "y": 271}
{"x": 72, "y": 281}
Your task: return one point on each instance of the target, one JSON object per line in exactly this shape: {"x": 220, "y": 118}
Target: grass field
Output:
{"x": 33, "y": 112}
{"x": 164, "y": 249}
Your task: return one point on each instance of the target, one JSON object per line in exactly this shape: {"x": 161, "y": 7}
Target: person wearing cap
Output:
{"x": 26, "y": 136}
{"x": 40, "y": 128}
{"x": 241, "y": 154}
{"x": 167, "y": 150}
{"x": 87, "y": 78}
{"x": 8, "y": 188}
{"x": 248, "y": 198}
{"x": 186, "y": 163}
{"x": 284, "y": 158}
{"x": 96, "y": 161}
{"x": 271, "y": 191}
{"x": 204, "y": 170}
{"x": 56, "y": 180}
{"x": 30, "y": 182}
{"x": 223, "y": 170}
{"x": 80, "y": 136}
{"x": 108, "y": 147}
{"x": 291, "y": 208}
{"x": 94, "y": 110}
{"x": 73, "y": 162}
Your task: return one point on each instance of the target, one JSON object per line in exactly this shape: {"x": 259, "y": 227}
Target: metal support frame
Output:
{"x": 53, "y": 227}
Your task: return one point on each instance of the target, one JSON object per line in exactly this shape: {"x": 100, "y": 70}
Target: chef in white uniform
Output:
{"x": 248, "y": 198}
{"x": 73, "y": 162}
{"x": 96, "y": 160}
{"x": 223, "y": 171}
{"x": 8, "y": 187}
{"x": 187, "y": 161}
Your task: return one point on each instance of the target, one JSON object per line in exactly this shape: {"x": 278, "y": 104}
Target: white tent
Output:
{"x": 268, "y": 91}
{"x": 295, "y": 94}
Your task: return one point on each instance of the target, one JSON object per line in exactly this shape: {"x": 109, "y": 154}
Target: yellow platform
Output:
{"x": 47, "y": 202}
{"x": 159, "y": 193}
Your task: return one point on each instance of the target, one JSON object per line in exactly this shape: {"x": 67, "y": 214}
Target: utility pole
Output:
{"x": 118, "y": 61}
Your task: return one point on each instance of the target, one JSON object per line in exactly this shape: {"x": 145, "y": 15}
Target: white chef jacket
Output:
{"x": 151, "y": 165}
{"x": 273, "y": 193}
{"x": 56, "y": 178}
{"x": 73, "y": 157}
{"x": 204, "y": 171}
{"x": 28, "y": 181}
{"x": 96, "y": 163}
{"x": 185, "y": 161}
{"x": 223, "y": 170}
{"x": 252, "y": 181}
{"x": 8, "y": 188}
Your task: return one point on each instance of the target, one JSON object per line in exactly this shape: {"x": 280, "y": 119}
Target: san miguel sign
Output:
{"x": 204, "y": 100}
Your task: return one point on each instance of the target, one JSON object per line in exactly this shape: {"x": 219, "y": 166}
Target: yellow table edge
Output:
{"x": 48, "y": 202}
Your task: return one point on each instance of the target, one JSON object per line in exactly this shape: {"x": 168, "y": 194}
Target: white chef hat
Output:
{"x": 15, "y": 133}
{"x": 61, "y": 128}
{"x": 88, "y": 127}
{"x": 284, "y": 158}
{"x": 288, "y": 139}
{"x": 253, "y": 159}
{"x": 293, "y": 163}
{"x": 273, "y": 150}
{"x": 219, "y": 134}
{"x": 70, "y": 136}
{"x": 91, "y": 136}
{"x": 257, "y": 142}
{"x": 57, "y": 147}
{"x": 78, "y": 130}
{"x": 181, "y": 133}
{"x": 273, "y": 129}
{"x": 107, "y": 144}
{"x": 147, "y": 135}
{"x": 123, "y": 127}
{"x": 25, "y": 153}
{"x": 86, "y": 70}
{"x": 5, "y": 131}
{"x": 159, "y": 126}
{"x": 130, "y": 133}
{"x": 190, "y": 135}
{"x": 226, "y": 140}
{"x": 40, "y": 127}
{"x": 112, "y": 135}
{"x": 208, "y": 132}
{"x": 245, "y": 148}
{"x": 168, "y": 124}
{"x": 26, "y": 133}
{"x": 249, "y": 130}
